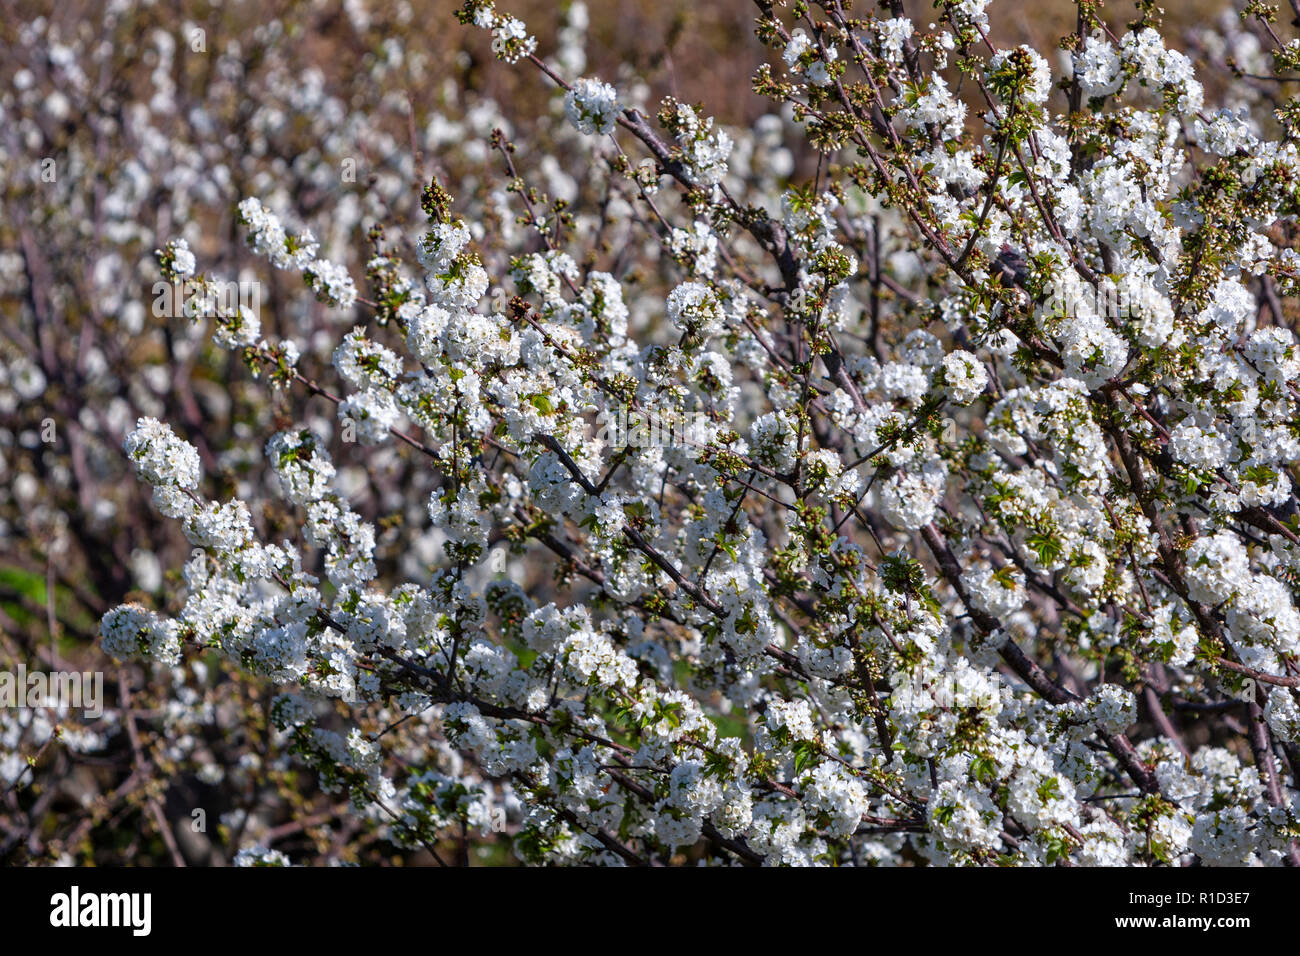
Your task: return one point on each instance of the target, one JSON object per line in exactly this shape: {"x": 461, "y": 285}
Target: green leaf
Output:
{"x": 804, "y": 752}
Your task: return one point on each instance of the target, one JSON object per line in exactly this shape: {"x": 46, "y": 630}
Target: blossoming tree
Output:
{"x": 983, "y": 545}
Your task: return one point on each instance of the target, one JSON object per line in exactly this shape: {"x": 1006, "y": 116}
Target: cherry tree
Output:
{"x": 968, "y": 535}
